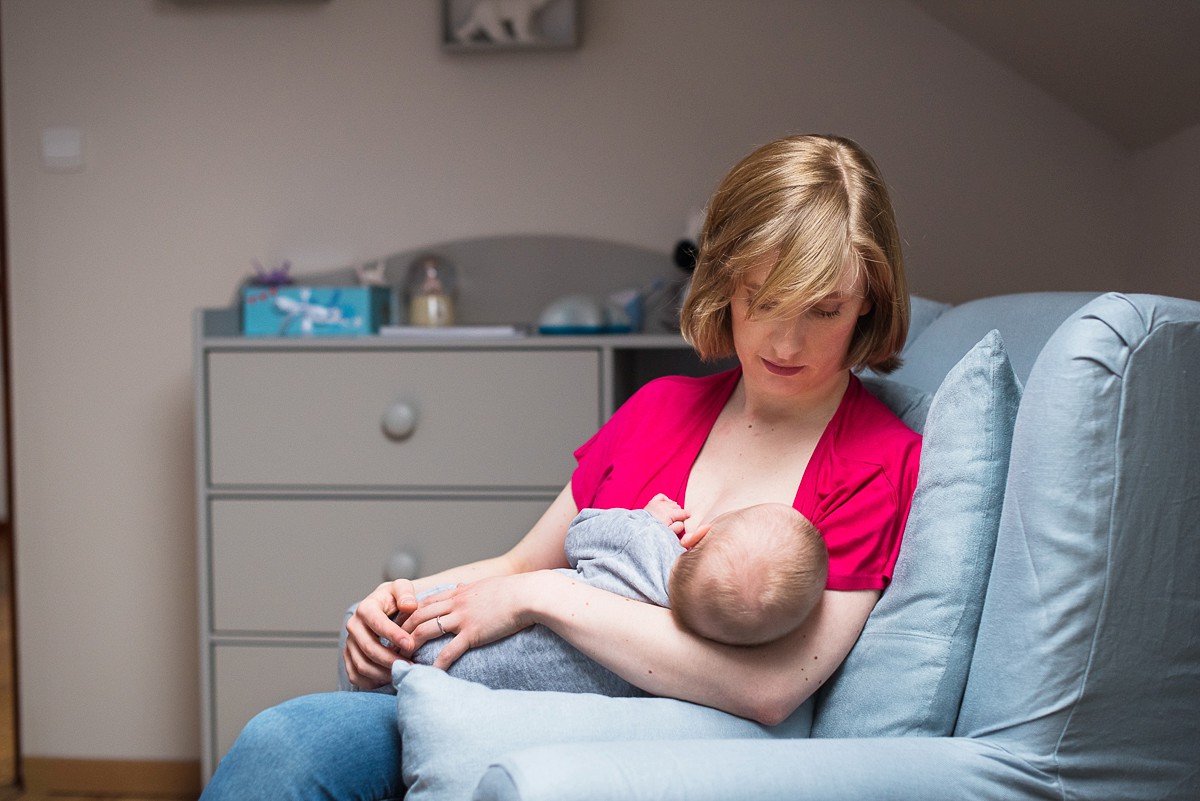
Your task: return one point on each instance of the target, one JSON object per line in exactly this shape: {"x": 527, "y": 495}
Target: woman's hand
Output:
{"x": 390, "y": 611}
{"x": 368, "y": 661}
{"x": 475, "y": 614}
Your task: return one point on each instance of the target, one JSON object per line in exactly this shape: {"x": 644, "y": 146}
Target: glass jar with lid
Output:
{"x": 431, "y": 288}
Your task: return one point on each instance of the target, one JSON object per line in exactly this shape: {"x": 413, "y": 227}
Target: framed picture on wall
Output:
{"x": 491, "y": 25}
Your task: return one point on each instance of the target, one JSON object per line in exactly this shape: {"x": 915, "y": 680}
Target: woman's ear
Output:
{"x": 691, "y": 539}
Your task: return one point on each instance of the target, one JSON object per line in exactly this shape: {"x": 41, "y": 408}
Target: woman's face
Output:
{"x": 802, "y": 354}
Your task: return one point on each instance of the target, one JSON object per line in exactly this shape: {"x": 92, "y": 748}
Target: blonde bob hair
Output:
{"x": 815, "y": 206}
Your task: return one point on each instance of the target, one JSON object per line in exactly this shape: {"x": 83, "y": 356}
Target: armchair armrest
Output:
{"x": 898, "y": 769}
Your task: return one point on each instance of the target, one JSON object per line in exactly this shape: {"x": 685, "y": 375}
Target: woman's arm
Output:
{"x": 642, "y": 643}
{"x": 369, "y": 662}
{"x": 766, "y": 683}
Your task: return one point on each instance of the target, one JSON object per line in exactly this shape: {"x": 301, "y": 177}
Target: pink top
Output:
{"x": 857, "y": 488}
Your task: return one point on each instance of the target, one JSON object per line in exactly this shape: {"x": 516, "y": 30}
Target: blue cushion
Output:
{"x": 453, "y": 729}
{"x": 906, "y": 674}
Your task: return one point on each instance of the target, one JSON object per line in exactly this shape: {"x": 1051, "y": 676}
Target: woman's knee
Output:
{"x": 341, "y": 745}
{"x": 272, "y": 734}
{"x": 264, "y": 761}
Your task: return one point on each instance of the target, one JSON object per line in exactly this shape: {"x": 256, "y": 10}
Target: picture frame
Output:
{"x": 509, "y": 25}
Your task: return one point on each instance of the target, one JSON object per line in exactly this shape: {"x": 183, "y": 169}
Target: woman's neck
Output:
{"x": 814, "y": 408}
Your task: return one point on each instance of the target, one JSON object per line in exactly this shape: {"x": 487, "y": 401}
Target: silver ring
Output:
{"x": 438, "y": 620}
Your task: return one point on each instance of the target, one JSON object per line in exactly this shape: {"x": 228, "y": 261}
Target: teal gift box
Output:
{"x": 317, "y": 311}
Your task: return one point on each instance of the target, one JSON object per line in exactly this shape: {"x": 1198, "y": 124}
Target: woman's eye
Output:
{"x": 828, "y": 312}
{"x": 764, "y": 307}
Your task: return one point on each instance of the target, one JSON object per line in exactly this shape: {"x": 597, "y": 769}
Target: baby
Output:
{"x": 751, "y": 576}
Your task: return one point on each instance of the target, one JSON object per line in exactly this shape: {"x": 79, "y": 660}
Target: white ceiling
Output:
{"x": 1130, "y": 67}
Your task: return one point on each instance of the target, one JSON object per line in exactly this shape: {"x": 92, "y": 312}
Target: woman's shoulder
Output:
{"x": 683, "y": 392}
{"x": 665, "y": 406}
{"x": 869, "y": 411}
{"x": 868, "y": 430}
{"x": 688, "y": 384}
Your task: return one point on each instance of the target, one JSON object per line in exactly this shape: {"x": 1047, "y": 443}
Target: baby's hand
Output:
{"x": 668, "y": 512}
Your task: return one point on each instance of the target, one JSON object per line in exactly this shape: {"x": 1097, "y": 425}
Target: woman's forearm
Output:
{"x": 464, "y": 574}
{"x": 643, "y": 644}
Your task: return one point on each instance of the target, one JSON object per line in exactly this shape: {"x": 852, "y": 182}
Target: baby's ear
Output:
{"x": 691, "y": 539}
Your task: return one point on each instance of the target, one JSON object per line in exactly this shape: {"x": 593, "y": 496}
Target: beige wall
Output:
{"x": 336, "y": 132}
{"x": 1164, "y": 206}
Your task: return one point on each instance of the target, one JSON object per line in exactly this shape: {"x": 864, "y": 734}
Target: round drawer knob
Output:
{"x": 401, "y": 565}
{"x": 399, "y": 420}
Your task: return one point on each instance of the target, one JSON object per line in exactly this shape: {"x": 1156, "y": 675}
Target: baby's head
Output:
{"x": 755, "y": 576}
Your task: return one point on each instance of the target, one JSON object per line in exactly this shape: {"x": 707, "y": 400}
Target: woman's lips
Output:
{"x": 779, "y": 369}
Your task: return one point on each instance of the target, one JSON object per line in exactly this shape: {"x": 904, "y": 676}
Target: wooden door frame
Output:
{"x": 8, "y": 527}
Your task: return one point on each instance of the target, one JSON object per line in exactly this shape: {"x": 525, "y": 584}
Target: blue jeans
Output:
{"x": 341, "y": 745}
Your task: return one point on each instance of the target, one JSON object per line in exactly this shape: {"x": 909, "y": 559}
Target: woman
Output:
{"x": 800, "y": 276}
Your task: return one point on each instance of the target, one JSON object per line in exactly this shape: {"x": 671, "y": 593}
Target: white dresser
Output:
{"x": 325, "y": 466}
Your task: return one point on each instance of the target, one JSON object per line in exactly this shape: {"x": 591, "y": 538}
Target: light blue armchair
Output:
{"x": 1041, "y": 637}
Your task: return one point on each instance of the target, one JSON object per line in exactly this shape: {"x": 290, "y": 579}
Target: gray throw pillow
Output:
{"x": 910, "y": 404}
{"x": 453, "y": 729}
{"x": 906, "y": 674}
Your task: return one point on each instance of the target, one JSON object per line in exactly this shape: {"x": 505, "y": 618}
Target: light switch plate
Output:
{"x": 62, "y": 148}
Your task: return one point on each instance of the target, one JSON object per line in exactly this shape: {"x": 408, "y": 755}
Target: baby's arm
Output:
{"x": 668, "y": 512}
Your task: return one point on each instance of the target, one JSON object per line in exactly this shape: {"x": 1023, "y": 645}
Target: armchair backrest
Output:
{"x": 940, "y": 334}
{"x": 1087, "y": 660}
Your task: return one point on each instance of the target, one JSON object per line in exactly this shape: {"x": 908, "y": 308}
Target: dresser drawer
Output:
{"x": 248, "y": 679}
{"x": 502, "y": 418}
{"x": 292, "y": 566}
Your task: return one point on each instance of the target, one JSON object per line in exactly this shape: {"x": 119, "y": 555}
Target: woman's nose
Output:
{"x": 788, "y": 337}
